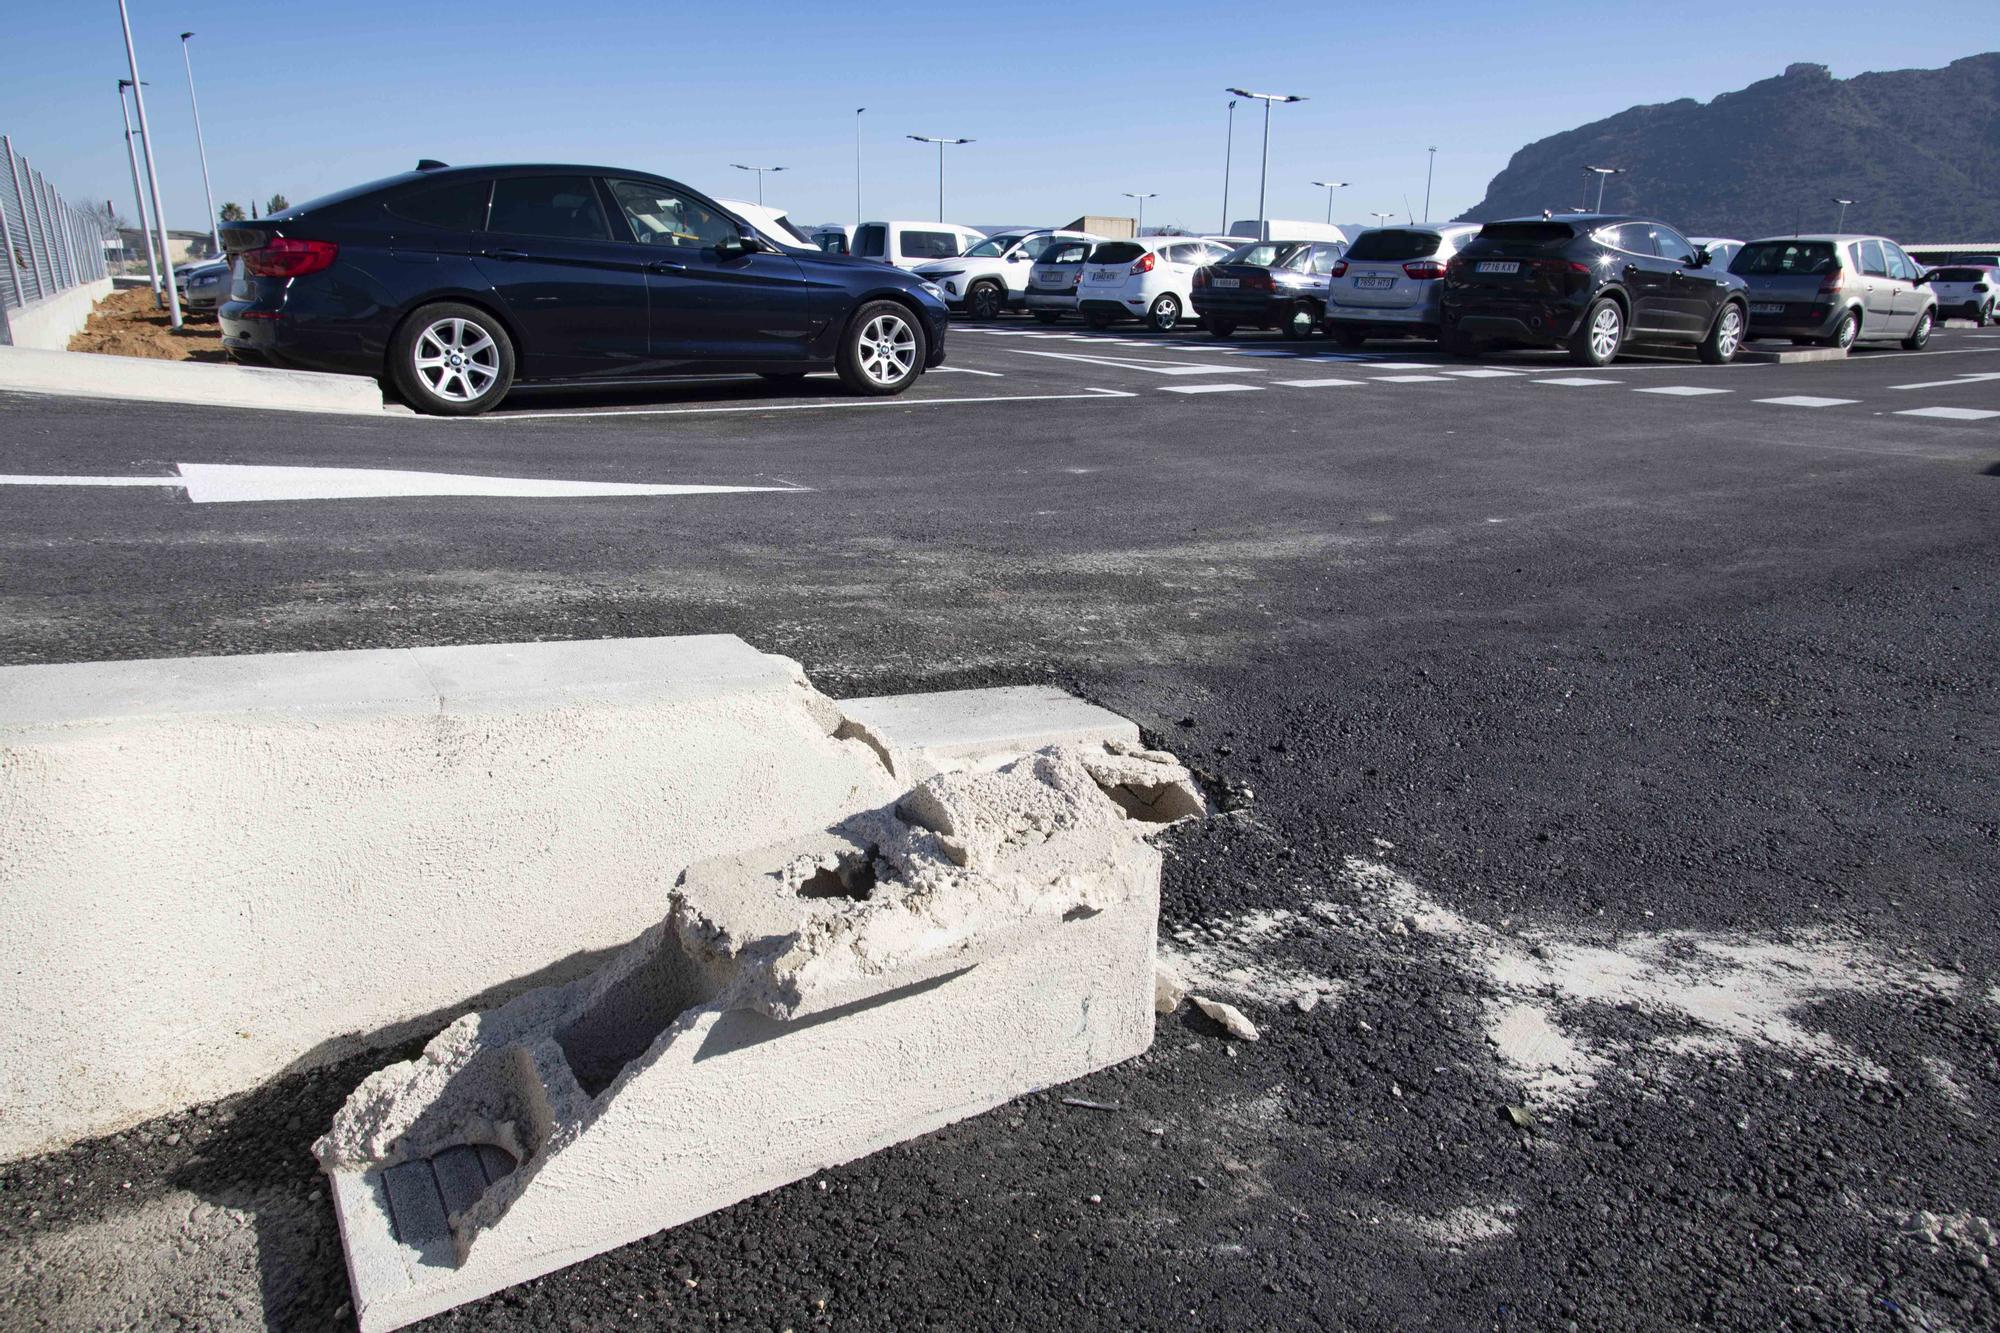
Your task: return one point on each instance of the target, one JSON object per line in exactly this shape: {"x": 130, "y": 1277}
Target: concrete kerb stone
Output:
{"x": 142, "y": 379}
{"x": 215, "y": 870}
{"x": 49, "y": 324}
{"x": 988, "y": 934}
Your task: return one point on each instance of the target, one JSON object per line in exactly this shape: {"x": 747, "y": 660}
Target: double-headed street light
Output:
{"x": 1601, "y": 173}
{"x": 1264, "y": 177}
{"x": 760, "y": 177}
{"x": 928, "y": 138}
{"x": 1142, "y": 198}
{"x": 1330, "y": 187}
{"x": 1841, "y": 225}
{"x": 1380, "y": 218}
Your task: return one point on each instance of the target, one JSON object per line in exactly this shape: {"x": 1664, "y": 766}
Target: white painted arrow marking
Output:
{"x": 231, "y": 483}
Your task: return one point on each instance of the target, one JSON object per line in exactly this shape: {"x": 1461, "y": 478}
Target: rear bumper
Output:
{"x": 1237, "y": 307}
{"x": 1525, "y": 321}
{"x": 1797, "y": 321}
{"x": 1422, "y": 316}
{"x": 1037, "y": 298}
{"x": 1963, "y": 309}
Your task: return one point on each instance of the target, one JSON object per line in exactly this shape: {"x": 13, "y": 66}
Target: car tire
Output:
{"x": 1920, "y": 333}
{"x": 451, "y": 360}
{"x": 1725, "y": 336}
{"x": 1048, "y": 316}
{"x": 1844, "y": 333}
{"x": 1984, "y": 316}
{"x": 985, "y": 300}
{"x": 1300, "y": 321}
{"x": 1220, "y": 328}
{"x": 883, "y": 350}
{"x": 1165, "y": 313}
{"x": 1352, "y": 339}
{"x": 1097, "y": 319}
{"x": 1600, "y": 334}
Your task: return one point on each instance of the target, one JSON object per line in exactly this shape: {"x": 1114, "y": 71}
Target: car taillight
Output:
{"x": 1428, "y": 270}
{"x": 1831, "y": 284}
{"x": 1455, "y": 271}
{"x": 284, "y": 257}
{"x": 1201, "y": 277}
{"x": 1339, "y": 269}
{"x": 1145, "y": 264}
{"x": 1258, "y": 279}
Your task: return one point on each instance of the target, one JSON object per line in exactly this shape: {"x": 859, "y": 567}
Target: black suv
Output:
{"x": 455, "y": 282}
{"x": 1590, "y": 283}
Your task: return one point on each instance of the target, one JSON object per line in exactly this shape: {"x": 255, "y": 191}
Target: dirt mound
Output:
{"x": 127, "y": 323}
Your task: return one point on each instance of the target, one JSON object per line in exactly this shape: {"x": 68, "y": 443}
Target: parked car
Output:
{"x": 1836, "y": 290}
{"x": 1390, "y": 282}
{"x": 992, "y": 276}
{"x": 771, "y": 224}
{"x": 1720, "y": 249}
{"x": 1267, "y": 284}
{"x": 203, "y": 286}
{"x": 456, "y": 283}
{"x": 1052, "y": 281}
{"x": 1589, "y": 283}
{"x": 1149, "y": 279}
{"x": 833, "y": 239}
{"x": 912, "y": 244}
{"x": 1965, "y": 292}
{"x": 1285, "y": 229}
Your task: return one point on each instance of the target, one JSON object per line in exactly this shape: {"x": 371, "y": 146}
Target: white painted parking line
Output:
{"x": 1484, "y": 374}
{"x": 1574, "y": 381}
{"x": 1211, "y": 388}
{"x": 791, "y": 407}
{"x": 1951, "y": 383}
{"x": 1320, "y": 384}
{"x": 1949, "y": 413}
{"x": 1683, "y": 391}
{"x": 1403, "y": 365}
{"x": 965, "y": 370}
{"x": 1807, "y": 400}
{"x": 1410, "y": 379}
{"x": 235, "y": 483}
{"x": 1133, "y": 363}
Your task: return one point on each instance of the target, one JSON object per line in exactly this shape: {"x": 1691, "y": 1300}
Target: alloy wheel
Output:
{"x": 1166, "y": 313}
{"x": 1850, "y": 327}
{"x": 1730, "y": 334}
{"x": 456, "y": 360}
{"x": 888, "y": 349}
{"x": 1605, "y": 333}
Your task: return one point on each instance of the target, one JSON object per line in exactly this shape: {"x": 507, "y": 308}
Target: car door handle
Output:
{"x": 504, "y": 254}
{"x": 666, "y": 266}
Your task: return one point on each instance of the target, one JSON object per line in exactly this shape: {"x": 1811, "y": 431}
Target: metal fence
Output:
{"x": 51, "y": 244}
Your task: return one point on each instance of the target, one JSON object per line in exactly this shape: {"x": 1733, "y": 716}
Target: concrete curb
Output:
{"x": 90, "y": 375}
{"x": 1789, "y": 356}
{"x": 48, "y": 324}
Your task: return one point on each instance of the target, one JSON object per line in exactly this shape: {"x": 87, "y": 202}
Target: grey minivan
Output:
{"x": 1836, "y": 290}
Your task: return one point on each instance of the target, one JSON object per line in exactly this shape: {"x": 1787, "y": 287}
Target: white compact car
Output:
{"x": 992, "y": 276}
{"x": 1052, "y": 281}
{"x": 1965, "y": 291}
{"x": 1150, "y": 279}
{"x": 912, "y": 244}
{"x": 1390, "y": 282}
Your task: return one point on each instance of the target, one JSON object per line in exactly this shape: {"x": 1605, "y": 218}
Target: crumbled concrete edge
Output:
{"x": 1169, "y": 987}
{"x": 953, "y": 872}
{"x": 1230, "y": 1017}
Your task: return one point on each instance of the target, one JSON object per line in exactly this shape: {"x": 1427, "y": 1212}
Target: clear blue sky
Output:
{"x": 1071, "y": 103}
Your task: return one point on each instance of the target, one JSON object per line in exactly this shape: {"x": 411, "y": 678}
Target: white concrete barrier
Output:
{"x": 49, "y": 324}
{"x": 213, "y": 870}
{"x": 143, "y": 379}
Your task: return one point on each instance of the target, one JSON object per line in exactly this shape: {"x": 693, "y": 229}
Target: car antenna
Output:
{"x": 429, "y": 164}
{"x": 1406, "y": 210}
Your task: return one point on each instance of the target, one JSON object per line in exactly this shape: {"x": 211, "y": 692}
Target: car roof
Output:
{"x": 1838, "y": 237}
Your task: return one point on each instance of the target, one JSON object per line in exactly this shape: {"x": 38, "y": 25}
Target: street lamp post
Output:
{"x": 941, "y": 143}
{"x": 1379, "y": 217}
{"x": 857, "y": 165}
{"x": 1841, "y": 225}
{"x": 1228, "y": 153}
{"x": 138, "y": 192}
{"x": 1601, "y": 173}
{"x": 1429, "y": 172}
{"x": 152, "y": 171}
{"x": 201, "y": 146}
{"x": 1142, "y": 198}
{"x": 1264, "y": 176}
{"x": 1330, "y": 187}
{"x": 760, "y": 177}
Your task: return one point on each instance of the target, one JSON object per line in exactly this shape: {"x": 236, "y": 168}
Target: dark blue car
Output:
{"x": 456, "y": 283}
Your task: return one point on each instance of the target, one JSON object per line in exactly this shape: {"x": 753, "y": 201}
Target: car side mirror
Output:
{"x": 1921, "y": 279}
{"x": 740, "y": 246}
{"x": 1700, "y": 258}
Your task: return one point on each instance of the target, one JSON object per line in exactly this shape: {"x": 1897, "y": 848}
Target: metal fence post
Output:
{"x": 7, "y": 241}
{"x": 57, "y": 209}
{"x": 45, "y": 255}
{"x": 21, "y": 202}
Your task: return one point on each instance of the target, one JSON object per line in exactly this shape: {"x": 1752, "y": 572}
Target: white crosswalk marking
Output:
{"x": 1683, "y": 391}
{"x": 1574, "y": 381}
{"x": 1951, "y": 383}
{"x": 1319, "y": 384}
{"x": 1211, "y": 388}
{"x": 1409, "y": 379}
{"x": 1949, "y": 413}
{"x": 1484, "y": 374}
{"x": 1807, "y": 400}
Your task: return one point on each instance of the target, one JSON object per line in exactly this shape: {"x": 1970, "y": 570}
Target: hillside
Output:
{"x": 1917, "y": 149}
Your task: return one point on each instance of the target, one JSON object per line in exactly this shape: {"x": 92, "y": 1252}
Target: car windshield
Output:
{"x": 1788, "y": 259}
{"x": 1065, "y": 252}
{"x": 1395, "y": 245}
{"x": 993, "y": 246}
{"x": 1526, "y": 233}
{"x": 1267, "y": 254}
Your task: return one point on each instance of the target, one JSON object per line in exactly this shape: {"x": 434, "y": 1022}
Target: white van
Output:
{"x": 835, "y": 238}
{"x": 908, "y": 244}
{"x": 1285, "y": 229}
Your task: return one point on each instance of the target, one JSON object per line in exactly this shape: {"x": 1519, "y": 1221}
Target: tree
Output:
{"x": 278, "y": 204}
{"x": 233, "y": 212}
{"x": 106, "y": 216}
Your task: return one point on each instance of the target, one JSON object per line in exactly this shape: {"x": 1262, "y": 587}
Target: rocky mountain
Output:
{"x": 1918, "y": 150}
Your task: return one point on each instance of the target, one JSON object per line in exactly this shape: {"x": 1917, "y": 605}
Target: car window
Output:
{"x": 1037, "y": 246}
{"x": 1065, "y": 252}
{"x": 564, "y": 206}
{"x": 1187, "y": 254}
{"x": 1116, "y": 252}
{"x": 1784, "y": 259}
{"x": 929, "y": 245}
{"x": 1632, "y": 237}
{"x": 1900, "y": 264}
{"x": 1671, "y": 245}
{"x": 1873, "y": 262}
{"x": 456, "y": 205}
{"x": 1395, "y": 245}
{"x": 870, "y": 240}
{"x": 993, "y": 246}
{"x": 663, "y": 216}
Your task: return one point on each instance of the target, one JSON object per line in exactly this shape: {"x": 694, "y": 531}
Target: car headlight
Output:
{"x": 933, "y": 289}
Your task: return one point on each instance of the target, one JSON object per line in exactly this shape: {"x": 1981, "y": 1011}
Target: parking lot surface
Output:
{"x": 1606, "y": 843}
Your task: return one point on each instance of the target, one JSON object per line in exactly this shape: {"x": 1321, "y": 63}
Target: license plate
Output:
{"x": 1106, "y": 275}
{"x": 1229, "y": 282}
{"x": 1375, "y": 283}
{"x": 1767, "y": 309}
{"x": 1499, "y": 266}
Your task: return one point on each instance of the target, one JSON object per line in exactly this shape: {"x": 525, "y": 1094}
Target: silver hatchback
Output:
{"x": 1836, "y": 291}
{"x": 1390, "y": 283}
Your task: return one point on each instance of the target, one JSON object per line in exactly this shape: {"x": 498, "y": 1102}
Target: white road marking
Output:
{"x": 232, "y": 483}
{"x": 1259, "y": 351}
{"x": 1949, "y": 413}
{"x": 1806, "y": 400}
{"x": 803, "y": 407}
{"x": 1211, "y": 388}
{"x": 1319, "y": 384}
{"x": 1574, "y": 381}
{"x": 965, "y": 370}
{"x": 1951, "y": 384}
{"x": 1409, "y": 379}
{"x": 1484, "y": 374}
{"x": 1132, "y": 363}
{"x": 1404, "y": 365}
{"x": 1683, "y": 391}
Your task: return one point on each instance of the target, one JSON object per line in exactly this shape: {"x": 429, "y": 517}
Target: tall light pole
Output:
{"x": 152, "y": 172}
{"x": 941, "y": 143}
{"x": 214, "y": 224}
{"x": 1838, "y": 226}
{"x": 1228, "y": 152}
{"x": 138, "y": 192}
{"x": 1264, "y": 177}
{"x": 1142, "y": 198}
{"x": 1379, "y": 217}
{"x": 857, "y": 165}
{"x": 1429, "y": 172}
{"x": 1330, "y": 187}
{"x": 1601, "y": 173}
{"x": 760, "y": 177}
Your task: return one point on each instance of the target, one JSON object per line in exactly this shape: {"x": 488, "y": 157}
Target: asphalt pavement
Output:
{"x": 1609, "y": 856}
